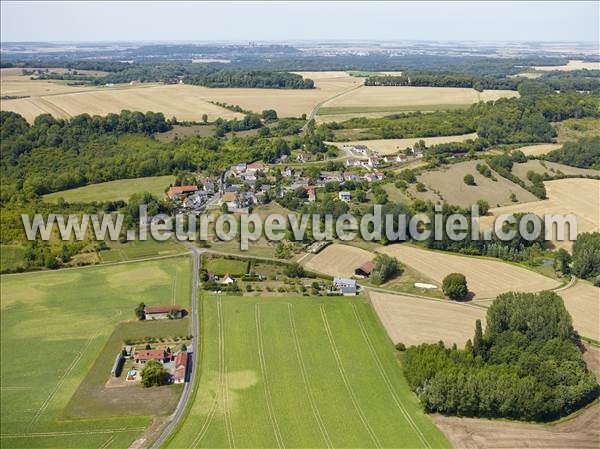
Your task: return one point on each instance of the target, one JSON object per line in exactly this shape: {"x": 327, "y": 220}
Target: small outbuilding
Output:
{"x": 365, "y": 269}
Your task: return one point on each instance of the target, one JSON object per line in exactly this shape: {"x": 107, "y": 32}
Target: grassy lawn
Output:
{"x": 300, "y": 372}
{"x": 221, "y": 266}
{"x": 335, "y": 110}
{"x": 121, "y": 189}
{"x": 54, "y": 325}
{"x": 11, "y": 257}
{"x": 138, "y": 249}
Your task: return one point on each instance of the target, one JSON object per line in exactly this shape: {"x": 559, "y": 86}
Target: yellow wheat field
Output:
{"x": 571, "y": 65}
{"x": 583, "y": 303}
{"x": 485, "y": 278}
{"x": 413, "y": 320}
{"x": 337, "y": 260}
{"x": 577, "y": 196}
{"x": 537, "y": 150}
{"x": 391, "y": 146}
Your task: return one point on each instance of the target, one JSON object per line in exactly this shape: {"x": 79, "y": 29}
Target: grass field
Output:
{"x": 300, "y": 372}
{"x": 413, "y": 321}
{"x": 397, "y": 99}
{"x": 577, "y": 196}
{"x": 11, "y": 257}
{"x": 391, "y": 146}
{"x": 485, "y": 278}
{"x": 337, "y": 260}
{"x": 447, "y": 184}
{"x": 576, "y": 128}
{"x": 137, "y": 249}
{"x": 549, "y": 168}
{"x": 221, "y": 266}
{"x": 53, "y": 326}
{"x": 121, "y": 189}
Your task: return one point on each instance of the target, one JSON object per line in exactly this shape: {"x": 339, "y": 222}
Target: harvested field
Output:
{"x": 583, "y": 303}
{"x": 447, "y": 184}
{"x": 571, "y": 65}
{"x": 578, "y": 196}
{"x": 485, "y": 278}
{"x": 391, "y": 146}
{"x": 412, "y": 320}
{"x": 402, "y": 97}
{"x": 549, "y": 168}
{"x": 582, "y": 431}
{"x": 13, "y": 83}
{"x": 337, "y": 260}
{"x": 537, "y": 150}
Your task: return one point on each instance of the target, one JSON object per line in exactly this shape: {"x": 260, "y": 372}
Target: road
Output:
{"x": 188, "y": 387}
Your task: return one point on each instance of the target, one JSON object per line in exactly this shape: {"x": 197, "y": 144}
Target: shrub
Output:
{"x": 455, "y": 286}
{"x": 469, "y": 179}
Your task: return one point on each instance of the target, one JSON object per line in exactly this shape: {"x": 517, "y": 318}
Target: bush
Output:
{"x": 469, "y": 179}
{"x": 386, "y": 268}
{"x": 455, "y": 286}
{"x": 400, "y": 347}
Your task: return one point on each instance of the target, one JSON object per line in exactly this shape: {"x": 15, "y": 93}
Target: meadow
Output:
{"x": 121, "y": 189}
{"x": 54, "y": 325}
{"x": 300, "y": 372}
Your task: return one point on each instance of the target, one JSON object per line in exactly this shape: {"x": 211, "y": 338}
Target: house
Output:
{"x": 176, "y": 192}
{"x": 348, "y": 291}
{"x": 390, "y": 159}
{"x": 351, "y": 177}
{"x": 352, "y": 163}
{"x": 344, "y": 196}
{"x": 207, "y": 185}
{"x": 374, "y": 176}
{"x": 362, "y": 149}
{"x": 227, "y": 280}
{"x": 347, "y": 287}
{"x": 163, "y": 312}
{"x": 287, "y": 172}
{"x": 365, "y": 269}
{"x": 373, "y": 161}
{"x": 195, "y": 200}
{"x": 312, "y": 195}
{"x": 181, "y": 364}
{"x": 255, "y": 167}
{"x": 160, "y": 355}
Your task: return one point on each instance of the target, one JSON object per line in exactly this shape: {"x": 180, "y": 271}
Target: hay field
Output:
{"x": 54, "y": 325}
{"x": 413, "y": 320}
{"x": 447, "y": 184}
{"x": 578, "y": 196}
{"x": 550, "y": 168}
{"x": 485, "y": 278}
{"x": 121, "y": 189}
{"x": 583, "y": 303}
{"x": 392, "y": 146}
{"x": 404, "y": 97}
{"x": 580, "y": 432}
{"x": 538, "y": 150}
{"x": 571, "y": 65}
{"x": 337, "y": 260}
{"x": 295, "y": 372}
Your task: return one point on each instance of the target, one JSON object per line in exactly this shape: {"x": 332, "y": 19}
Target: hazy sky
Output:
{"x": 110, "y": 21}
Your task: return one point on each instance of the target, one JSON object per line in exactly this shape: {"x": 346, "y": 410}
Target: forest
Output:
{"x": 526, "y": 366}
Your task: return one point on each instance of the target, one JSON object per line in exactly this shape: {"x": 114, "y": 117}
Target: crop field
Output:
{"x": 121, "y": 189}
{"x": 13, "y": 83}
{"x": 577, "y": 196}
{"x": 300, "y": 372}
{"x": 392, "y": 146}
{"x": 53, "y": 326}
{"x": 549, "y": 168}
{"x": 582, "y": 302}
{"x": 570, "y": 66}
{"x": 447, "y": 184}
{"x": 538, "y": 150}
{"x": 413, "y": 321}
{"x": 337, "y": 260}
{"x": 578, "y": 432}
{"x": 403, "y": 98}
{"x": 485, "y": 278}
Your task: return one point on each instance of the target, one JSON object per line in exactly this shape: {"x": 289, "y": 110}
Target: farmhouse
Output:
{"x": 163, "y": 312}
{"x": 365, "y": 269}
{"x": 181, "y": 364}
{"x": 176, "y": 192}
{"x": 160, "y": 355}
{"x": 346, "y": 287}
{"x": 227, "y": 279}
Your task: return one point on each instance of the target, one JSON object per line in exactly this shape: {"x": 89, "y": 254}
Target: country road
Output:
{"x": 188, "y": 387}
{"x": 315, "y": 110}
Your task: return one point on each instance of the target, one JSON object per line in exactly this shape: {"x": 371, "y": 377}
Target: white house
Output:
{"x": 344, "y": 196}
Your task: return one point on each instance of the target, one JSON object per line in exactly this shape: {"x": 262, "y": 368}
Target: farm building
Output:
{"x": 118, "y": 365}
{"x": 365, "y": 269}
{"x": 181, "y": 364}
{"x": 227, "y": 279}
{"x": 344, "y": 196}
{"x": 160, "y": 355}
{"x": 163, "y": 312}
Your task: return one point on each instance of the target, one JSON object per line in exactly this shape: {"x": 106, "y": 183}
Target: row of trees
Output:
{"x": 526, "y": 366}
{"x": 251, "y": 79}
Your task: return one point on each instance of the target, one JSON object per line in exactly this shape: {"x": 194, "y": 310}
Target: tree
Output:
{"x": 224, "y": 208}
{"x": 586, "y": 255}
{"x": 139, "y": 311}
{"x": 478, "y": 339}
{"x": 386, "y": 267}
{"x": 469, "y": 179}
{"x": 294, "y": 270}
{"x": 269, "y": 115}
{"x": 455, "y": 286}
{"x": 154, "y": 374}
{"x": 205, "y": 118}
{"x": 484, "y": 207}
{"x": 562, "y": 259}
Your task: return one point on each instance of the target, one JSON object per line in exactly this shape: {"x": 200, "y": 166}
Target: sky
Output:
{"x": 280, "y": 21}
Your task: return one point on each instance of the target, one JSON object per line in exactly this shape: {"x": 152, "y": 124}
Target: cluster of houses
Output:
{"x": 173, "y": 311}
{"x": 371, "y": 159}
{"x": 350, "y": 287}
{"x": 192, "y": 197}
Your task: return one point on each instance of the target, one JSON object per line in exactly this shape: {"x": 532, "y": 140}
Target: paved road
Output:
{"x": 188, "y": 387}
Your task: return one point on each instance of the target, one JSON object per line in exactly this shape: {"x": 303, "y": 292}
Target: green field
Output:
{"x": 137, "y": 249}
{"x": 121, "y": 189}
{"x": 300, "y": 372}
{"x": 54, "y": 325}
{"x": 336, "y": 110}
{"x": 221, "y": 266}
{"x": 11, "y": 257}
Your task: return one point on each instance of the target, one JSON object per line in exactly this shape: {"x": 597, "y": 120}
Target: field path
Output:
{"x": 344, "y": 377}
{"x": 313, "y": 113}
